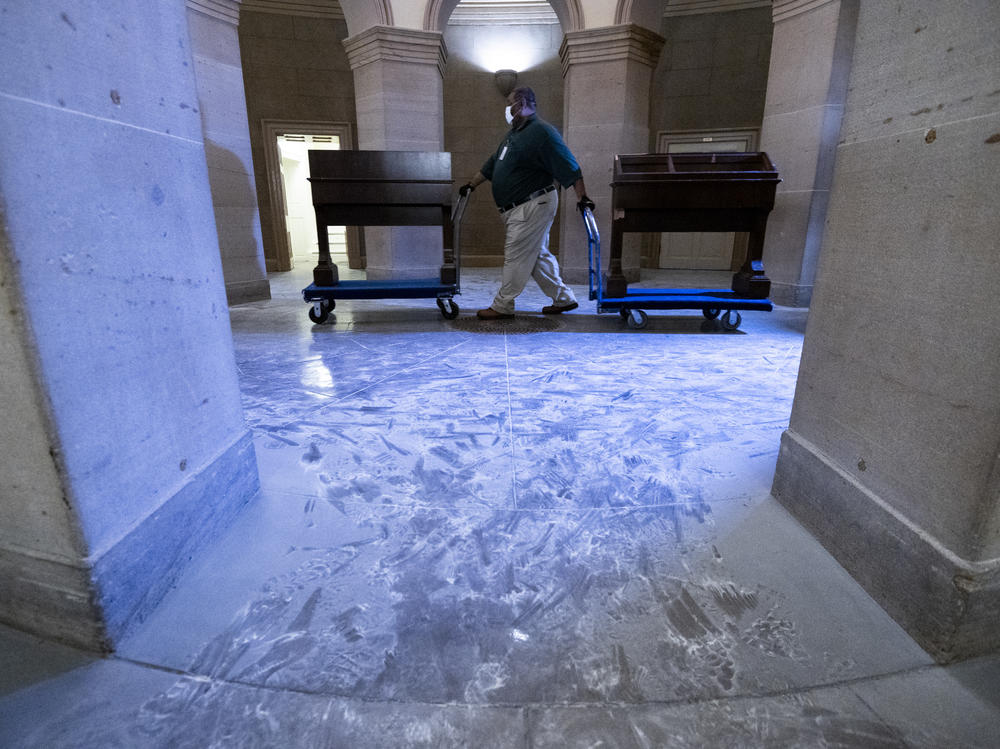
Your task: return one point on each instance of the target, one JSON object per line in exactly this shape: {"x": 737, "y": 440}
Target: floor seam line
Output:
{"x": 510, "y": 422}
{"x": 767, "y": 694}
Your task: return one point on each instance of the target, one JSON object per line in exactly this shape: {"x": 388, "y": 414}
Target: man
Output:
{"x": 522, "y": 171}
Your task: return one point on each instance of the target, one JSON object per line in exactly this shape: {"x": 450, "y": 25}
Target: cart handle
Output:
{"x": 458, "y": 209}
{"x": 593, "y": 253}
{"x": 457, "y": 212}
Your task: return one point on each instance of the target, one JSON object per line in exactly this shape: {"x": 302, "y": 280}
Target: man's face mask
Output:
{"x": 507, "y": 113}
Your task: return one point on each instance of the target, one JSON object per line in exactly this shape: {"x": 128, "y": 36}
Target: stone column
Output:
{"x": 807, "y": 84}
{"x": 891, "y": 454}
{"x": 45, "y": 584}
{"x": 399, "y": 90}
{"x": 124, "y": 446}
{"x": 222, "y": 104}
{"x": 608, "y": 72}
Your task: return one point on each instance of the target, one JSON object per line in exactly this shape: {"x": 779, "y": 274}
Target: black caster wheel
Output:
{"x": 320, "y": 311}
{"x": 710, "y": 313}
{"x": 637, "y": 319}
{"x": 731, "y": 320}
{"x": 448, "y": 308}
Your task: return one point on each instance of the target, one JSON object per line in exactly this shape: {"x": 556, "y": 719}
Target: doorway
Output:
{"x": 300, "y": 219}
{"x": 701, "y": 250}
{"x": 287, "y": 145}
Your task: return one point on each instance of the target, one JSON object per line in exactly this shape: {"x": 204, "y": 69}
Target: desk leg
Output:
{"x": 325, "y": 273}
{"x": 615, "y": 285}
{"x": 751, "y": 281}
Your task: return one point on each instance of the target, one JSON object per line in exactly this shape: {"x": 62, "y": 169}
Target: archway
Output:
{"x": 646, "y": 13}
{"x": 569, "y": 13}
{"x": 363, "y": 14}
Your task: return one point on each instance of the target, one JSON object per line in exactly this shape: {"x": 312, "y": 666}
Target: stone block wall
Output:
{"x": 294, "y": 68}
{"x": 44, "y": 579}
{"x": 222, "y": 103}
{"x": 810, "y": 62}
{"x": 133, "y": 451}
{"x": 891, "y": 454}
{"x": 712, "y": 72}
{"x": 712, "y": 75}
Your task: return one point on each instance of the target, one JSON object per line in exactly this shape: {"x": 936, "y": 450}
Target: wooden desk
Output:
{"x": 694, "y": 192}
{"x": 381, "y": 188}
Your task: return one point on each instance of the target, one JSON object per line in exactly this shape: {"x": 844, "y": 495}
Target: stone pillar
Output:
{"x": 891, "y": 455}
{"x": 807, "y": 84}
{"x": 608, "y": 72}
{"x": 123, "y": 439}
{"x": 222, "y": 104}
{"x": 399, "y": 91}
{"x": 44, "y": 581}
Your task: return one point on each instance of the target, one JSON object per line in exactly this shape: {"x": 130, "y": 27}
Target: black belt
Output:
{"x": 535, "y": 194}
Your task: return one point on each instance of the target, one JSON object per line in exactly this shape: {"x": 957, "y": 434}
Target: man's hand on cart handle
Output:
{"x": 584, "y": 204}
{"x": 472, "y": 184}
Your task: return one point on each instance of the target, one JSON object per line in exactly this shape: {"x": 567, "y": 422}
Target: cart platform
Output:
{"x": 632, "y": 306}
{"x": 703, "y": 299}
{"x": 428, "y": 288}
{"x": 324, "y": 298}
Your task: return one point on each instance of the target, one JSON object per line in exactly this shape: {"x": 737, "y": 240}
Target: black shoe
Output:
{"x": 555, "y": 309}
{"x": 491, "y": 314}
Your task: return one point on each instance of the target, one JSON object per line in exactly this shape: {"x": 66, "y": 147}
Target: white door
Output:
{"x": 300, "y": 218}
{"x": 710, "y": 250}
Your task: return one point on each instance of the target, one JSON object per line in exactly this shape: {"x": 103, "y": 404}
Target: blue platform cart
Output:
{"x": 384, "y": 188}
{"x": 684, "y": 192}
{"x": 632, "y": 307}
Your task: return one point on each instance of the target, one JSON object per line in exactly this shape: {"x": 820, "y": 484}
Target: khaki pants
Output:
{"x": 526, "y": 254}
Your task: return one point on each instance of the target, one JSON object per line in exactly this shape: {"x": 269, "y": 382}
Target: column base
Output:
{"x": 248, "y": 291}
{"x": 92, "y": 605}
{"x": 134, "y": 575}
{"x": 51, "y": 598}
{"x": 791, "y": 294}
{"x": 948, "y": 605}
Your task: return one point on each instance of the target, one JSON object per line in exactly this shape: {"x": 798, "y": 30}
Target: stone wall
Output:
{"x": 295, "y": 68}
{"x": 810, "y": 63}
{"x": 219, "y": 76}
{"x": 712, "y": 72}
{"x": 712, "y": 75}
{"x": 134, "y": 452}
{"x": 891, "y": 454}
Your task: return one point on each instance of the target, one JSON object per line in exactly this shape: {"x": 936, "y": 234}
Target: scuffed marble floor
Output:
{"x": 555, "y": 532}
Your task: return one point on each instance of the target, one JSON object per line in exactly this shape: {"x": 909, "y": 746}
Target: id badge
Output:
{"x": 502, "y": 153}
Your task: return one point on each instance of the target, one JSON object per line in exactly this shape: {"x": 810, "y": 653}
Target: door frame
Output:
{"x": 275, "y": 186}
{"x": 665, "y": 137}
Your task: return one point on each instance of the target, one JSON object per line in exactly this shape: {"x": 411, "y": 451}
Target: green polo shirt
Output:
{"x": 529, "y": 159}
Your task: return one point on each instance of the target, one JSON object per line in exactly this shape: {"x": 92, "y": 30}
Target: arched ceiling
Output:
{"x": 363, "y": 14}
{"x": 568, "y": 12}
{"x": 573, "y": 15}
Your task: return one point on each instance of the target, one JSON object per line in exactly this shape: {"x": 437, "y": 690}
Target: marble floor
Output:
{"x": 548, "y": 532}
